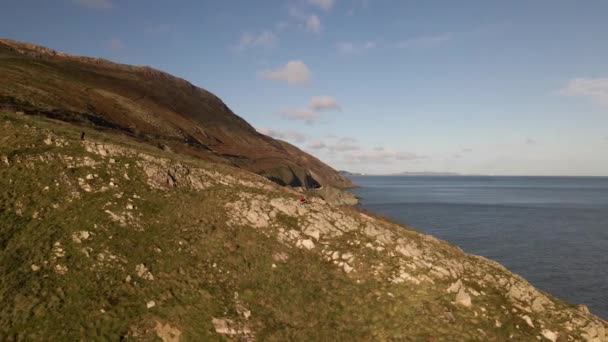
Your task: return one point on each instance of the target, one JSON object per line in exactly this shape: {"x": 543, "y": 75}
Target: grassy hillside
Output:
{"x": 109, "y": 238}
{"x": 150, "y": 105}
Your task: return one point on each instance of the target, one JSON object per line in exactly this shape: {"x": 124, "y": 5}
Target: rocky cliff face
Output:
{"x": 149, "y": 105}
{"x": 108, "y": 238}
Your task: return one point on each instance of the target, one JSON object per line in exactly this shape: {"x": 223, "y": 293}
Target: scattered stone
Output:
{"x": 549, "y": 335}
{"x": 150, "y": 304}
{"x": 143, "y": 272}
{"x": 528, "y": 320}
{"x": 463, "y": 298}
{"x": 347, "y": 256}
{"x": 35, "y": 268}
{"x": 583, "y": 308}
{"x": 227, "y": 326}
{"x": 167, "y": 333}
{"x": 80, "y": 236}
{"x": 308, "y": 244}
{"x": 280, "y": 256}
{"x": 61, "y": 269}
{"x": 455, "y": 287}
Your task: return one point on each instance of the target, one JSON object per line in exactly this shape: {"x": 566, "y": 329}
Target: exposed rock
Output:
{"x": 455, "y": 287}
{"x": 142, "y": 271}
{"x": 35, "y": 268}
{"x": 227, "y": 326}
{"x": 550, "y": 335}
{"x": 61, "y": 269}
{"x": 167, "y": 333}
{"x": 80, "y": 236}
{"x": 463, "y": 298}
{"x": 528, "y": 320}
{"x": 336, "y": 196}
{"x": 150, "y": 304}
{"x": 308, "y": 244}
{"x": 280, "y": 256}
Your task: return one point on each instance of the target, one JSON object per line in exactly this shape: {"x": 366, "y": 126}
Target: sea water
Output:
{"x": 553, "y": 231}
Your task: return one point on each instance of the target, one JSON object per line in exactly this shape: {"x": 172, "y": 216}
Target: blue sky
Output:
{"x": 475, "y": 87}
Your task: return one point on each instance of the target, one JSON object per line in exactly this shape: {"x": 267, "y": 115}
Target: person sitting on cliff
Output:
{"x": 302, "y": 200}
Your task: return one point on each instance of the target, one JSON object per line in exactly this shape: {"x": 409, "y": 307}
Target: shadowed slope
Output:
{"x": 152, "y": 106}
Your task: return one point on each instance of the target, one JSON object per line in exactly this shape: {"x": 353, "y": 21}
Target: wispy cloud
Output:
{"x": 94, "y": 4}
{"x": 306, "y": 115}
{"x": 424, "y": 42}
{"x": 313, "y": 24}
{"x": 355, "y": 47}
{"x": 284, "y": 134}
{"x": 295, "y": 72}
{"x": 593, "y": 88}
{"x": 317, "y": 145}
{"x": 380, "y": 156}
{"x": 116, "y": 44}
{"x": 264, "y": 39}
{"x": 342, "y": 145}
{"x": 416, "y": 43}
{"x": 311, "y": 114}
{"x": 305, "y": 20}
{"x": 318, "y": 103}
{"x": 325, "y": 5}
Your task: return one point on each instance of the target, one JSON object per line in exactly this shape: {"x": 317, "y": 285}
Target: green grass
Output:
{"x": 197, "y": 259}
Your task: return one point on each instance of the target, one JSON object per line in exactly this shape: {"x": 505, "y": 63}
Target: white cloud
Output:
{"x": 342, "y": 145}
{"x": 294, "y": 73}
{"x": 305, "y": 115}
{"x": 116, "y": 44}
{"x": 594, "y": 88}
{"x": 305, "y": 21}
{"x": 94, "y": 4}
{"x": 325, "y": 5}
{"x": 355, "y": 47}
{"x": 284, "y": 134}
{"x": 313, "y": 24}
{"x": 319, "y": 103}
{"x": 467, "y": 150}
{"x": 424, "y": 42}
{"x": 380, "y": 156}
{"x": 265, "y": 39}
{"x": 317, "y": 145}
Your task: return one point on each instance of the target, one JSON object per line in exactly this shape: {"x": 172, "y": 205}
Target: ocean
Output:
{"x": 553, "y": 231}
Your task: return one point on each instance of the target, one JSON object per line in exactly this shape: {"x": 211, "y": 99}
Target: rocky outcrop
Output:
{"x": 111, "y": 239}
{"x": 336, "y": 196}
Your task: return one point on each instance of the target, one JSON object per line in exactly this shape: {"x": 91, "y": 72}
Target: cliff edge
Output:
{"x": 108, "y": 238}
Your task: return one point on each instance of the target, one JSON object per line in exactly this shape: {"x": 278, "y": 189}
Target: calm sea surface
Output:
{"x": 551, "y": 230}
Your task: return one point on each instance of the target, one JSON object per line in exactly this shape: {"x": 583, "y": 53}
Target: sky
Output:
{"x": 372, "y": 86}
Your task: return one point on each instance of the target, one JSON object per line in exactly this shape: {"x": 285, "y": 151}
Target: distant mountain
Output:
{"x": 150, "y": 106}
{"x": 426, "y": 174}
{"x": 349, "y": 174}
